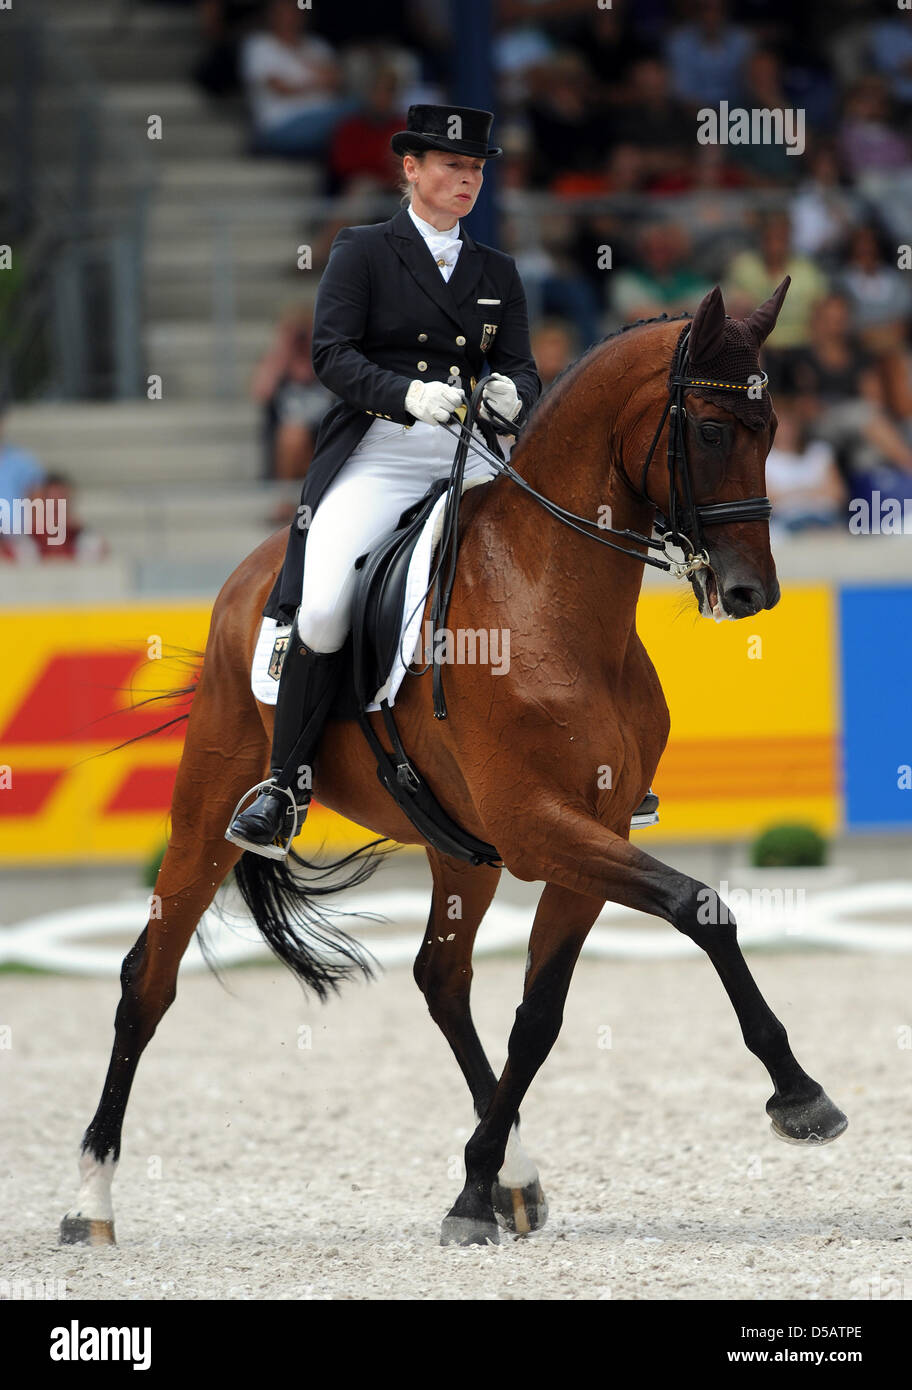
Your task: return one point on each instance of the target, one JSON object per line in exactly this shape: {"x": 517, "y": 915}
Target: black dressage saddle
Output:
{"x": 380, "y": 595}
{"x": 377, "y": 619}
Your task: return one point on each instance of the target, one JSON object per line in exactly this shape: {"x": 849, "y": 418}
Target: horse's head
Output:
{"x": 726, "y": 435}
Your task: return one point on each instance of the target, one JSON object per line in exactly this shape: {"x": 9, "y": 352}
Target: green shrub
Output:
{"x": 789, "y": 846}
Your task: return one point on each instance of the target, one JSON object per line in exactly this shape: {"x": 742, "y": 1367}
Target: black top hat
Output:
{"x": 459, "y": 129}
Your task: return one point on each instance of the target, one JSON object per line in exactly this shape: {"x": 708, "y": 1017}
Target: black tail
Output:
{"x": 296, "y": 926}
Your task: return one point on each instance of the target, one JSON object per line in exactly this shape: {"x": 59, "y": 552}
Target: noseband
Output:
{"x": 685, "y": 521}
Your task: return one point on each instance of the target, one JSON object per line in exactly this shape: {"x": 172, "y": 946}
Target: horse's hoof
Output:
{"x": 80, "y": 1230}
{"x": 521, "y": 1209}
{"x": 816, "y": 1121}
{"x": 468, "y": 1230}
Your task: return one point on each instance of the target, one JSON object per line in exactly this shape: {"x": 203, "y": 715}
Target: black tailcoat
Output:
{"x": 384, "y": 317}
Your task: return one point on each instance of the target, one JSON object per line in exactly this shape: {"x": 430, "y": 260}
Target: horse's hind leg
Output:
{"x": 443, "y": 972}
{"x": 197, "y": 859}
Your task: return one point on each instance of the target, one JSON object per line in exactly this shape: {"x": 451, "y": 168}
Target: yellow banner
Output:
{"x": 753, "y": 706}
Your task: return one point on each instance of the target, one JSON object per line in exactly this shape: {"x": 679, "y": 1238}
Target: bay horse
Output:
{"x": 519, "y": 760}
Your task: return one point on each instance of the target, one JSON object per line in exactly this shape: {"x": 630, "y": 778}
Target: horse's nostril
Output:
{"x": 743, "y": 601}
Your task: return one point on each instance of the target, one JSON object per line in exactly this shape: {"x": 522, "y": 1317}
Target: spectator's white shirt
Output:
{"x": 797, "y": 481}
{"x": 263, "y": 57}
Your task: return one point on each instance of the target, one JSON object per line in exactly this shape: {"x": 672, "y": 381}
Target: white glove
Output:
{"x": 432, "y": 402}
{"x": 500, "y": 392}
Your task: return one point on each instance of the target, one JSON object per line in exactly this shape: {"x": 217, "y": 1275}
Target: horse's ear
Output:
{"x": 763, "y": 320}
{"x": 708, "y": 328}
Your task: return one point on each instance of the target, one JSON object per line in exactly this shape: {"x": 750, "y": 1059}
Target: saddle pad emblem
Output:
{"x": 487, "y": 336}
{"x": 279, "y": 648}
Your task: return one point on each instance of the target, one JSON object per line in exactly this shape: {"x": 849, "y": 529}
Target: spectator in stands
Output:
{"x": 843, "y": 401}
{"x": 663, "y": 281}
{"x": 223, "y": 23}
{"x": 707, "y": 56}
{"x": 293, "y": 84}
{"x": 764, "y": 90}
{"x": 20, "y": 471}
{"x": 554, "y": 346}
{"x": 823, "y": 209}
{"x": 567, "y": 126}
{"x": 56, "y": 533}
{"x": 879, "y": 294}
{"x": 360, "y": 151}
{"x": 753, "y": 276}
{"x": 890, "y": 49}
{"x": 293, "y": 401}
{"x": 867, "y": 141}
{"x": 652, "y": 119}
{"x": 556, "y": 284}
{"x": 802, "y": 479}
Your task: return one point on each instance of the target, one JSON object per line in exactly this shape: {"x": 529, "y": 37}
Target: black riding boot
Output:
{"x": 308, "y": 683}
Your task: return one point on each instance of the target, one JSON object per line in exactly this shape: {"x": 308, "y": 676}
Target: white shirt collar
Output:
{"x": 432, "y": 233}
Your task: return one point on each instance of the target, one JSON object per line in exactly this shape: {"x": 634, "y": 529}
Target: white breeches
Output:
{"x": 391, "y": 468}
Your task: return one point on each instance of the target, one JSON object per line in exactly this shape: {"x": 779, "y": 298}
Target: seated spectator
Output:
{"x": 20, "y": 472}
{"x": 54, "y": 532}
{"x": 608, "y": 36}
{"x": 868, "y": 144}
{"x": 556, "y": 284}
{"x": 890, "y": 50}
{"x": 652, "y": 119}
{"x": 293, "y": 401}
{"x": 292, "y": 82}
{"x": 879, "y": 294}
{"x": 223, "y": 23}
{"x": 663, "y": 281}
{"x": 567, "y": 129}
{"x": 360, "y": 150}
{"x": 843, "y": 403}
{"x": 554, "y": 347}
{"x": 823, "y": 209}
{"x": 706, "y": 57}
{"x": 802, "y": 479}
{"x": 753, "y": 276}
{"x": 764, "y": 90}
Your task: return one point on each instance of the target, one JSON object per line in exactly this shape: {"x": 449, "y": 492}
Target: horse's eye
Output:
{"x": 711, "y": 434}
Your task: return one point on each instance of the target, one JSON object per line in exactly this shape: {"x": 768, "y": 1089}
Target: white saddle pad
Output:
{"x": 265, "y": 686}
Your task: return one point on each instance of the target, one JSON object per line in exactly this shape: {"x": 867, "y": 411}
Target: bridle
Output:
{"x": 684, "y": 523}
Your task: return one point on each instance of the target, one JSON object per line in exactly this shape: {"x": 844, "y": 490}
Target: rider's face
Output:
{"x": 444, "y": 186}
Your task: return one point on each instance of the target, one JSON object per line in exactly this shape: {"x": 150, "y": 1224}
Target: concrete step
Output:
{"x": 195, "y": 360}
{"x": 188, "y": 507}
{"x": 126, "y": 464}
{"x": 257, "y": 293}
{"x": 112, "y": 21}
{"x": 238, "y": 181}
{"x": 248, "y": 246}
{"x": 143, "y": 442}
{"x": 105, "y": 424}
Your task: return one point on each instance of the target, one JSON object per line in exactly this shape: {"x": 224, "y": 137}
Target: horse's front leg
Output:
{"x": 578, "y": 852}
{"x": 562, "y": 922}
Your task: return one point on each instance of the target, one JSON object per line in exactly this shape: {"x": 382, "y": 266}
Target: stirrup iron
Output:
{"x": 279, "y": 848}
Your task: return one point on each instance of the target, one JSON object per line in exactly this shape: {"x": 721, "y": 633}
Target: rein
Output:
{"x": 685, "y": 520}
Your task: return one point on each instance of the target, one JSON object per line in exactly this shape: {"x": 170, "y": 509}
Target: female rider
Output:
{"x": 408, "y": 314}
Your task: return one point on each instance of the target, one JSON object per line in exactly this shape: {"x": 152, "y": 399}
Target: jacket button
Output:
{"x": 460, "y": 341}
{"x": 422, "y": 338}
{"x": 422, "y": 366}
